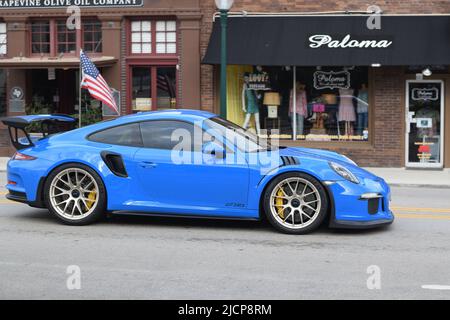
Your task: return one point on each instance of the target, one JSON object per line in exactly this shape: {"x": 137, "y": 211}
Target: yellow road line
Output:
{"x": 421, "y": 216}
{"x": 396, "y": 210}
{"x": 8, "y": 202}
{"x": 433, "y": 210}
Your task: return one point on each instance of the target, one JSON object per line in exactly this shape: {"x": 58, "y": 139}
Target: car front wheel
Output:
{"x": 75, "y": 194}
{"x": 295, "y": 203}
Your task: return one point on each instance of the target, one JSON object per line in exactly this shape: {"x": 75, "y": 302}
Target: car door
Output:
{"x": 117, "y": 146}
{"x": 192, "y": 184}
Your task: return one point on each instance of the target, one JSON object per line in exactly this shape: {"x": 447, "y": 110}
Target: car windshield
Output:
{"x": 238, "y": 136}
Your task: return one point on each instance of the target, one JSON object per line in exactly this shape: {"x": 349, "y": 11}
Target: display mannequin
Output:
{"x": 363, "y": 109}
{"x": 347, "y": 110}
{"x": 301, "y": 107}
{"x": 250, "y": 105}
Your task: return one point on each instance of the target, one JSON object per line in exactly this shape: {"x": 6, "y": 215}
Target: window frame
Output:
{"x": 153, "y": 31}
{"x": 54, "y": 41}
{"x": 166, "y": 32}
{"x": 93, "y": 21}
{"x": 66, "y": 43}
{"x": 141, "y": 32}
{"x": 50, "y": 33}
{"x": 153, "y": 67}
{"x": 164, "y": 120}
{"x": 2, "y": 55}
{"x": 89, "y": 137}
{"x": 224, "y": 143}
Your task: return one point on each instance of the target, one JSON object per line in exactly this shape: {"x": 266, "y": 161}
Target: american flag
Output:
{"x": 94, "y": 82}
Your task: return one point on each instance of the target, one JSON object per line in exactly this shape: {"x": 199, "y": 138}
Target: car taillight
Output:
{"x": 22, "y": 157}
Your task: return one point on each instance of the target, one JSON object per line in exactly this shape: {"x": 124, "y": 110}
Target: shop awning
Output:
{"x": 59, "y": 63}
{"x": 342, "y": 40}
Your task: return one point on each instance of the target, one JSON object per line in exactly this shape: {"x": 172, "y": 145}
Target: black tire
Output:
{"x": 100, "y": 206}
{"x": 317, "y": 219}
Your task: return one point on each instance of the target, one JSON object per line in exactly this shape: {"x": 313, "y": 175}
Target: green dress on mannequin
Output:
{"x": 252, "y": 103}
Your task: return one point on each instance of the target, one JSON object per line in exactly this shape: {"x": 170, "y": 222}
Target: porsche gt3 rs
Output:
{"x": 133, "y": 164}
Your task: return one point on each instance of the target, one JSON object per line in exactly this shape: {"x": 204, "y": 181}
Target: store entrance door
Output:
{"x": 58, "y": 94}
{"x": 424, "y": 123}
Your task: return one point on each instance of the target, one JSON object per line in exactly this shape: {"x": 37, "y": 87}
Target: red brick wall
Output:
{"x": 388, "y": 84}
{"x": 386, "y": 149}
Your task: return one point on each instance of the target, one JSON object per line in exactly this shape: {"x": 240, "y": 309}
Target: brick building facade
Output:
{"x": 386, "y": 146}
{"x": 146, "y": 50}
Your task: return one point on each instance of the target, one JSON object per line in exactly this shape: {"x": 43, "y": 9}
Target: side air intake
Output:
{"x": 290, "y": 161}
{"x": 115, "y": 163}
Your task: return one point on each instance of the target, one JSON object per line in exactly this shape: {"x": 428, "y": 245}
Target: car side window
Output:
{"x": 127, "y": 135}
{"x": 159, "y": 134}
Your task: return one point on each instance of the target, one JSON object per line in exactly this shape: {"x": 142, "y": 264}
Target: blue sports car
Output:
{"x": 186, "y": 163}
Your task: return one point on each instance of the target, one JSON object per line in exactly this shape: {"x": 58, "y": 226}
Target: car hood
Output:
{"x": 315, "y": 153}
{"x": 327, "y": 156}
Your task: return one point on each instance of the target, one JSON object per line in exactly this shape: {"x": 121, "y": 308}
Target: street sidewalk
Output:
{"x": 394, "y": 176}
{"x": 413, "y": 177}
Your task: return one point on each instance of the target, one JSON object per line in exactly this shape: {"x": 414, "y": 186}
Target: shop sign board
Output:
{"x": 17, "y": 102}
{"x": 425, "y": 94}
{"x": 49, "y": 4}
{"x": 324, "y": 40}
{"x": 332, "y": 80}
{"x": 259, "y": 81}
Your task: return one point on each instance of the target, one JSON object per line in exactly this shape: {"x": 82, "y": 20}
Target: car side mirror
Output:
{"x": 215, "y": 150}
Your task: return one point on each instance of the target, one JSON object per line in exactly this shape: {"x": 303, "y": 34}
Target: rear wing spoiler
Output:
{"x": 48, "y": 125}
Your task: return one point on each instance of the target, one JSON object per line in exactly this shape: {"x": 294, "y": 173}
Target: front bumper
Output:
{"x": 360, "y": 206}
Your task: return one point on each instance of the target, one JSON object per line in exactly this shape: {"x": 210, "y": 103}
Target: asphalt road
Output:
{"x": 167, "y": 258}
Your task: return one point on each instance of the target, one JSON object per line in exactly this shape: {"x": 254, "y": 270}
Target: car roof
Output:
{"x": 174, "y": 113}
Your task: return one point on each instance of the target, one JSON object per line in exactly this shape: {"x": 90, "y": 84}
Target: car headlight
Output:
{"x": 344, "y": 172}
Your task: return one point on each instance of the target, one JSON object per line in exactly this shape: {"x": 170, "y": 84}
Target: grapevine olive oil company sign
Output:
{"x": 18, "y": 4}
{"x": 327, "y": 41}
{"x": 331, "y": 80}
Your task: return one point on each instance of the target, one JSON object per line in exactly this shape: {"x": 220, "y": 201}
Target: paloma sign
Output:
{"x": 322, "y": 40}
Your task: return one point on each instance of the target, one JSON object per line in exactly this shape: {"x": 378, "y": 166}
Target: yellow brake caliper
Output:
{"x": 279, "y": 203}
{"x": 91, "y": 199}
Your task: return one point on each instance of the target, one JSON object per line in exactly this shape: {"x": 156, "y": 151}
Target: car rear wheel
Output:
{"x": 295, "y": 203}
{"x": 75, "y": 194}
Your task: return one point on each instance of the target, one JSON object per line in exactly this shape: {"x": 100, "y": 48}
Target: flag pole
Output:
{"x": 80, "y": 91}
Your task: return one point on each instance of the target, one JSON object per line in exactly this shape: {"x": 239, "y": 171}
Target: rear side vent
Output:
{"x": 115, "y": 163}
{"x": 290, "y": 161}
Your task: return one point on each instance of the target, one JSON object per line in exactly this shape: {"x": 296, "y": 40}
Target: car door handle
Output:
{"x": 148, "y": 165}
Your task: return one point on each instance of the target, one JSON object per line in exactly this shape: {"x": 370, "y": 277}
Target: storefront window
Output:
{"x": 92, "y": 36}
{"x": 167, "y": 88}
{"x": 141, "y": 37}
{"x": 40, "y": 37}
{"x": 67, "y": 39}
{"x": 327, "y": 104}
{"x": 3, "y": 39}
{"x": 141, "y": 89}
{"x": 2, "y": 92}
{"x": 153, "y": 88}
